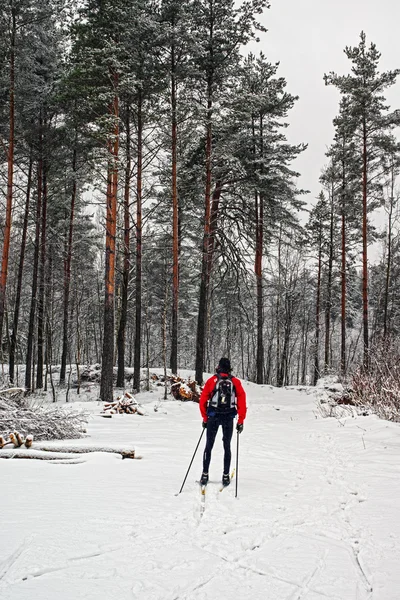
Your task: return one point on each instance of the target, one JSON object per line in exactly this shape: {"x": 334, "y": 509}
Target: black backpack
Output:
{"x": 223, "y": 399}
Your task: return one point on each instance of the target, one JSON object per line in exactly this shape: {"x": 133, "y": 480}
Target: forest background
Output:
{"x": 158, "y": 131}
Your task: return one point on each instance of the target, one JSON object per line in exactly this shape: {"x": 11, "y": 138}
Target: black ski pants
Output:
{"x": 213, "y": 423}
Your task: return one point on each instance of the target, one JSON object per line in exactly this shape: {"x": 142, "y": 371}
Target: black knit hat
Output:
{"x": 224, "y": 366}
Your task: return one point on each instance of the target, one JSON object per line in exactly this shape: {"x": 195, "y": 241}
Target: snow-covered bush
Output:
{"x": 334, "y": 399}
{"x": 43, "y": 421}
{"x": 379, "y": 387}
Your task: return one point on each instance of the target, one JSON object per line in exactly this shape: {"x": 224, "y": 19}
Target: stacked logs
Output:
{"x": 126, "y": 404}
{"x": 185, "y": 390}
{"x": 16, "y": 440}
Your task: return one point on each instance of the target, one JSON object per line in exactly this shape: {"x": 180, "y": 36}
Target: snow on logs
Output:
{"x": 126, "y": 404}
{"x": 18, "y": 447}
{"x": 16, "y": 440}
{"x": 180, "y": 388}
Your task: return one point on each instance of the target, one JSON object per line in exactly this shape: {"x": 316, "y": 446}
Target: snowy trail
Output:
{"x": 316, "y": 516}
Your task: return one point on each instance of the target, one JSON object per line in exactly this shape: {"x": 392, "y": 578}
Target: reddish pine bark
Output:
{"x": 10, "y": 180}
{"x": 203, "y": 300}
{"x": 106, "y": 382}
{"x": 138, "y": 294}
{"x": 175, "y": 222}
{"x": 125, "y": 275}
{"x": 14, "y": 334}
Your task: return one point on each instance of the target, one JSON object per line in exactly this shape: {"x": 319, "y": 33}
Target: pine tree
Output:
{"x": 264, "y": 104}
{"x": 100, "y": 70}
{"x": 370, "y": 124}
{"x": 175, "y": 20}
{"x": 219, "y": 30}
{"x": 10, "y": 165}
{"x": 317, "y": 228}
{"x": 343, "y": 154}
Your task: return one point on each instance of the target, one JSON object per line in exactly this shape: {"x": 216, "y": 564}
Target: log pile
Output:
{"x": 181, "y": 389}
{"x": 125, "y": 404}
{"x": 185, "y": 390}
{"x": 16, "y": 440}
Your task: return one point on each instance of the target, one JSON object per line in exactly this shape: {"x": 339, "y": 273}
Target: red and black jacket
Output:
{"x": 208, "y": 392}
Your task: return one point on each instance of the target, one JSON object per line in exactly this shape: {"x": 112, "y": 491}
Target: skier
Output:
{"x": 222, "y": 398}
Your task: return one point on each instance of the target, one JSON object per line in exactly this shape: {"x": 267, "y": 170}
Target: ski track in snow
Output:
{"x": 316, "y": 515}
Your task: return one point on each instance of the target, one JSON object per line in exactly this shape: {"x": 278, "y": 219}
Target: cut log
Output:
{"x": 75, "y": 449}
{"x": 35, "y": 454}
{"x": 19, "y": 438}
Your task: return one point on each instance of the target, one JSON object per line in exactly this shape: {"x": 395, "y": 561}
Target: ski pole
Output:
{"x": 237, "y": 464}
{"x": 198, "y": 443}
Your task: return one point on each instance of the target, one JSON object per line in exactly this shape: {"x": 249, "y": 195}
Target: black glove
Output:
{"x": 239, "y": 427}
{"x": 204, "y": 424}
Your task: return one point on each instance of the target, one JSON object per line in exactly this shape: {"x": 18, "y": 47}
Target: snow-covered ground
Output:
{"x": 317, "y": 513}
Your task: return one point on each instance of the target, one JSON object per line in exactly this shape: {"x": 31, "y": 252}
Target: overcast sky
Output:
{"x": 307, "y": 37}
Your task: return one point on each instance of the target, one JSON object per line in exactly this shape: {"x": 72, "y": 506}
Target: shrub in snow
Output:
{"x": 335, "y": 400}
{"x": 379, "y": 387}
{"x": 43, "y": 421}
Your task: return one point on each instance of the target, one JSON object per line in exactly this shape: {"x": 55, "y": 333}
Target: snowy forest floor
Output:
{"x": 316, "y": 515}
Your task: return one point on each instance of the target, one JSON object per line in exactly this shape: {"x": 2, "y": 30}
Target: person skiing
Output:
{"x": 222, "y": 398}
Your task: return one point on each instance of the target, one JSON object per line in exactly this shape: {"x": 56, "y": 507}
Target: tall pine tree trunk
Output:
{"x": 389, "y": 256}
{"x": 106, "y": 382}
{"x": 278, "y": 306}
{"x": 138, "y": 281}
{"x": 203, "y": 296}
{"x": 10, "y": 179}
{"x": 125, "y": 275}
{"x": 42, "y": 274}
{"x": 328, "y": 307}
{"x": 343, "y": 275}
{"x": 259, "y": 208}
{"x": 343, "y": 299}
{"x": 29, "y": 384}
{"x": 67, "y": 266}
{"x": 14, "y": 334}
{"x": 364, "y": 249}
{"x": 213, "y": 228}
{"x": 317, "y": 316}
{"x": 48, "y": 316}
{"x": 283, "y": 370}
{"x": 175, "y": 220}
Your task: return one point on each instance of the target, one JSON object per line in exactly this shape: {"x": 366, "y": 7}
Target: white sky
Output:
{"x": 307, "y": 37}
